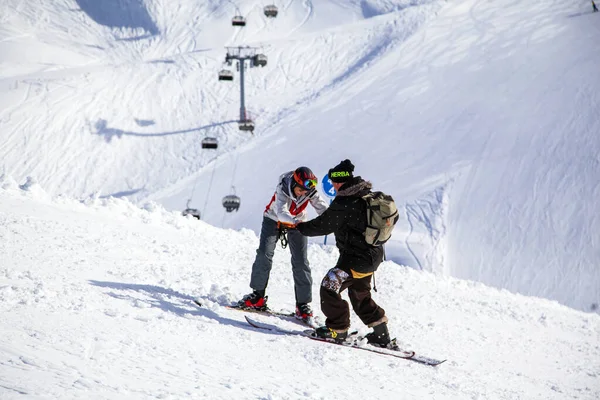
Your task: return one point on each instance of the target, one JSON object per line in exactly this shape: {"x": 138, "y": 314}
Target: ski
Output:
{"x": 353, "y": 341}
{"x": 268, "y": 311}
{"x": 288, "y": 316}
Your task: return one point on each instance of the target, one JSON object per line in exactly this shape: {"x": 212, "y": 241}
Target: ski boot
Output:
{"x": 332, "y": 335}
{"x": 304, "y": 312}
{"x": 254, "y": 301}
{"x": 380, "y": 337}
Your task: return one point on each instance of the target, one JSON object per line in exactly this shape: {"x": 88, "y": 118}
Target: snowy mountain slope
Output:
{"x": 101, "y": 35}
{"x": 173, "y": 99}
{"x": 488, "y": 132}
{"x": 479, "y": 117}
{"x": 95, "y": 299}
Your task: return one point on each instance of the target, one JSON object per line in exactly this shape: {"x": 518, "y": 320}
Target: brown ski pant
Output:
{"x": 359, "y": 292}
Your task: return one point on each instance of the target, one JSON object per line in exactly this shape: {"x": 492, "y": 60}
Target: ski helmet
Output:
{"x": 304, "y": 178}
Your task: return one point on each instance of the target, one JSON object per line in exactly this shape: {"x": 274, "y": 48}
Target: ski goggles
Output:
{"x": 307, "y": 184}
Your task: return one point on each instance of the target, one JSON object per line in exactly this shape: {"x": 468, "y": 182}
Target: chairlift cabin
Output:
{"x": 271, "y": 11}
{"x": 225, "y": 75}
{"x": 238, "y": 20}
{"x": 231, "y": 202}
{"x": 260, "y": 59}
{"x": 210, "y": 143}
{"x": 191, "y": 211}
{"x": 246, "y": 125}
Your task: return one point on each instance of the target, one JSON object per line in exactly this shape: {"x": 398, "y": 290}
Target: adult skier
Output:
{"x": 294, "y": 191}
{"x": 346, "y": 217}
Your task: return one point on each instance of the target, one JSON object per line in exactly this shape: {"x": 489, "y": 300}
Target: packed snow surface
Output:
{"x": 95, "y": 299}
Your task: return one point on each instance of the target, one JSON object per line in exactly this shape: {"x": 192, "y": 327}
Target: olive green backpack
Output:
{"x": 382, "y": 216}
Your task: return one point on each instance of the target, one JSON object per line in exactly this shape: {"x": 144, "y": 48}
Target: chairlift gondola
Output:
{"x": 260, "y": 60}
{"x": 225, "y": 75}
{"x": 246, "y": 125}
{"x": 271, "y": 11}
{"x": 231, "y": 202}
{"x": 210, "y": 143}
{"x": 238, "y": 20}
{"x": 191, "y": 211}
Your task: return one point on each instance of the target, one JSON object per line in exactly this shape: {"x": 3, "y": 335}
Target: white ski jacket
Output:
{"x": 285, "y": 207}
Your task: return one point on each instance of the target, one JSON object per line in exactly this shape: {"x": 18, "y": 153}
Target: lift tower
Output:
{"x": 241, "y": 54}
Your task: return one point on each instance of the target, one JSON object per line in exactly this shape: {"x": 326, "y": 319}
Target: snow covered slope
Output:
{"x": 95, "y": 301}
{"x": 479, "y": 117}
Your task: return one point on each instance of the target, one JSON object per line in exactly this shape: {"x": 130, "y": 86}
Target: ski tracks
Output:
{"x": 308, "y": 5}
{"x": 427, "y": 219}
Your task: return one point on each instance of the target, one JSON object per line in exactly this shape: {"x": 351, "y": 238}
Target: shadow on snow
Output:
{"x": 102, "y": 129}
{"x": 166, "y": 299}
{"x": 128, "y": 14}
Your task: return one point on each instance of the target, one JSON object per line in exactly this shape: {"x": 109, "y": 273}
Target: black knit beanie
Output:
{"x": 342, "y": 172}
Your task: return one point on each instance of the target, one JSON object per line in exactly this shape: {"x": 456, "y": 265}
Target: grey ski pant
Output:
{"x": 263, "y": 262}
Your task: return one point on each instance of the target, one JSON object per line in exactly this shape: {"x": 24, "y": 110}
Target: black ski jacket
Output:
{"x": 346, "y": 217}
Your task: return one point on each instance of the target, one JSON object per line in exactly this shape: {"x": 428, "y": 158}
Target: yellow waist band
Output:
{"x": 359, "y": 275}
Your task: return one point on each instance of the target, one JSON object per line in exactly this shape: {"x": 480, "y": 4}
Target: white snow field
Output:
{"x": 481, "y": 118}
{"x": 95, "y": 299}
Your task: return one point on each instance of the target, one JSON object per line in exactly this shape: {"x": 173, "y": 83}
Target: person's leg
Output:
{"x": 368, "y": 311}
{"x": 363, "y": 305}
{"x": 333, "y": 306}
{"x": 261, "y": 269}
{"x": 300, "y": 267}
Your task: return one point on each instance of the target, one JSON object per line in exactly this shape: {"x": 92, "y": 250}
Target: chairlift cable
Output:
{"x": 223, "y": 220}
{"x": 212, "y": 175}
{"x": 192, "y": 196}
{"x": 234, "y": 169}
